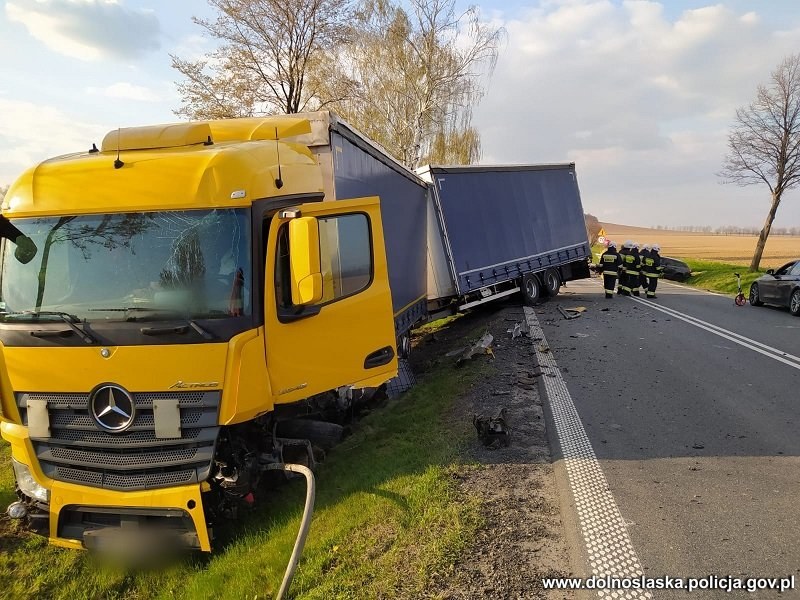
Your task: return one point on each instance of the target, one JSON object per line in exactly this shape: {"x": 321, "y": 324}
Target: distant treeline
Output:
{"x": 728, "y": 230}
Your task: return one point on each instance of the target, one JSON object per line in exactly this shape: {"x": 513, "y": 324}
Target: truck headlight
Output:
{"x": 27, "y": 484}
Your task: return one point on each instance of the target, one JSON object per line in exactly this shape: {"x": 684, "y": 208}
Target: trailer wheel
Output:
{"x": 531, "y": 288}
{"x": 552, "y": 282}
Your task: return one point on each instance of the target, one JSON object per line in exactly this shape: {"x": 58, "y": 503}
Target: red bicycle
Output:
{"x": 740, "y": 299}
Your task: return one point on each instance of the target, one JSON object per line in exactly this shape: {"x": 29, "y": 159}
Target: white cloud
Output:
{"x": 640, "y": 101}
{"x": 750, "y": 17}
{"x": 127, "y": 91}
{"x": 30, "y": 133}
{"x": 88, "y": 29}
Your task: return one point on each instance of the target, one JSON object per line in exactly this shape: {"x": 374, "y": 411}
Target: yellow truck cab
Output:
{"x": 190, "y": 285}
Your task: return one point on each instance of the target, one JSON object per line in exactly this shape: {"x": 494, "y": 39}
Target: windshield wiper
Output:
{"x": 213, "y": 314}
{"x": 179, "y": 330}
{"x": 163, "y": 330}
{"x": 64, "y": 316}
{"x": 135, "y": 309}
{"x": 166, "y": 330}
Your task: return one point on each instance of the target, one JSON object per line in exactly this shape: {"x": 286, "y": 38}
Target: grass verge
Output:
{"x": 719, "y": 276}
{"x": 388, "y": 521}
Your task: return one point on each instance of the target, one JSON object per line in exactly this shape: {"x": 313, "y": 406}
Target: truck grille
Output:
{"x": 78, "y": 452}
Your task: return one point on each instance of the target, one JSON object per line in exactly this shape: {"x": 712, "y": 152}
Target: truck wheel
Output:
{"x": 320, "y": 433}
{"x": 531, "y": 289}
{"x": 404, "y": 346}
{"x": 552, "y": 282}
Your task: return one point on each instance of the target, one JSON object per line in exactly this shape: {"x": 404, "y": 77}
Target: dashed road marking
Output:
{"x": 608, "y": 545}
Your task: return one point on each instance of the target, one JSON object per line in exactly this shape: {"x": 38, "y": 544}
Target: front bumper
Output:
{"x": 77, "y": 514}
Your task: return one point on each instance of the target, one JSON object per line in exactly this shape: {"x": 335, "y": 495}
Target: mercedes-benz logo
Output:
{"x": 112, "y": 408}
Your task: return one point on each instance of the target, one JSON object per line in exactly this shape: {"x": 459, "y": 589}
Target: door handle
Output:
{"x": 379, "y": 358}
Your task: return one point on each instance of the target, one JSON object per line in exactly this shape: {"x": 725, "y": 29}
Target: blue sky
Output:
{"x": 639, "y": 94}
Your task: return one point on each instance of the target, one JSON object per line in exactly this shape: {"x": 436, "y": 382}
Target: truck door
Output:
{"x": 342, "y": 332}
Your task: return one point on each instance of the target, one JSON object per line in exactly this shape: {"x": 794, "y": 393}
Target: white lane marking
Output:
{"x": 605, "y": 532}
{"x": 754, "y": 345}
{"x": 773, "y": 353}
{"x": 693, "y": 289}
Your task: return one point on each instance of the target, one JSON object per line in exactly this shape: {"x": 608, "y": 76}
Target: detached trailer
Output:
{"x": 497, "y": 230}
{"x": 354, "y": 166}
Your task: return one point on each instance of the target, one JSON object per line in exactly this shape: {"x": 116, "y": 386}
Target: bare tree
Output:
{"x": 3, "y": 191}
{"x": 592, "y": 227}
{"x": 764, "y": 144}
{"x": 419, "y": 75}
{"x": 268, "y": 51}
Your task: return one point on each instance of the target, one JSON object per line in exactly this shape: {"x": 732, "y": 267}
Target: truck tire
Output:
{"x": 531, "y": 289}
{"x": 404, "y": 346}
{"x": 552, "y": 282}
{"x": 320, "y": 433}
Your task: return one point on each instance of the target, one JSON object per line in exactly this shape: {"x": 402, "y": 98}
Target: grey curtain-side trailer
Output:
{"x": 497, "y": 230}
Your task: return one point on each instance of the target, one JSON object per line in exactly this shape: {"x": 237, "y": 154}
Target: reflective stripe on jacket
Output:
{"x": 610, "y": 262}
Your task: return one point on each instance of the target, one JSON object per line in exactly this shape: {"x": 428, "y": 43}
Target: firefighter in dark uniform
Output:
{"x": 635, "y": 270}
{"x": 653, "y": 270}
{"x": 623, "y": 287}
{"x": 630, "y": 270}
{"x": 610, "y": 263}
{"x": 645, "y": 252}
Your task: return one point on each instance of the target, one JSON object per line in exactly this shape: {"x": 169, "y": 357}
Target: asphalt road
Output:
{"x": 697, "y": 432}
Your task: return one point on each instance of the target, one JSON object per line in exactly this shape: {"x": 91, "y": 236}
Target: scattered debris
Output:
{"x": 492, "y": 431}
{"x": 501, "y": 393}
{"x": 482, "y": 346}
{"x": 520, "y": 329}
{"x": 527, "y": 381}
{"x": 456, "y": 352}
{"x": 572, "y": 313}
{"x": 525, "y": 328}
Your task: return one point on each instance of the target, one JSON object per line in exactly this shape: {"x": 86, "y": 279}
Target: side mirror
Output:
{"x": 304, "y": 261}
{"x": 26, "y": 249}
{"x": 770, "y": 271}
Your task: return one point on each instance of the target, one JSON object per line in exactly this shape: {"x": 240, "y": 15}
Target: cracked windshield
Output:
{"x": 131, "y": 265}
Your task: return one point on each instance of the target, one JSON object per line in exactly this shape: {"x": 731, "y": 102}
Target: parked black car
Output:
{"x": 781, "y": 287}
{"x": 675, "y": 269}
